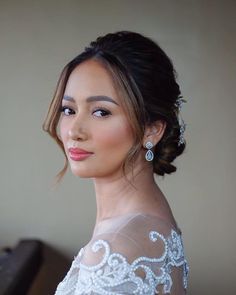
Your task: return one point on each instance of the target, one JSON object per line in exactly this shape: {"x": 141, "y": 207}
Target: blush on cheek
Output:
{"x": 119, "y": 137}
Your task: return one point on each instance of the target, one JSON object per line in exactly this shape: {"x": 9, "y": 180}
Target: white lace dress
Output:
{"x": 130, "y": 254}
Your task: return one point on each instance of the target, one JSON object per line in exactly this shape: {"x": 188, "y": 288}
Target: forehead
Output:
{"x": 90, "y": 78}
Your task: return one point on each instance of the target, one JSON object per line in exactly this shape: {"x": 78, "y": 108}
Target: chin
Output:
{"x": 85, "y": 172}
{"x": 81, "y": 173}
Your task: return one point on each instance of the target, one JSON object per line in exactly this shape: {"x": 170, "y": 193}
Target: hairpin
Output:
{"x": 179, "y": 103}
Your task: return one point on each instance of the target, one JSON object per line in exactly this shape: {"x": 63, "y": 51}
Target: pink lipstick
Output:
{"x": 77, "y": 154}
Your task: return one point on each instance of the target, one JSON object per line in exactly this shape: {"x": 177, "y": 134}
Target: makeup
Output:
{"x": 77, "y": 154}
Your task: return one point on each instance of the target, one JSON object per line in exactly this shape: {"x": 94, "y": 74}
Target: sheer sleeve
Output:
{"x": 140, "y": 257}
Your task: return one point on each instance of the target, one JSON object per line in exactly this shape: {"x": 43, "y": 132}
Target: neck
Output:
{"x": 123, "y": 195}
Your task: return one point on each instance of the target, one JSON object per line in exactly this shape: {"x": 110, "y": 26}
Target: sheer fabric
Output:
{"x": 130, "y": 254}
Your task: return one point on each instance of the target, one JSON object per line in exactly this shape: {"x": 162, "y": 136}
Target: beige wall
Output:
{"x": 37, "y": 38}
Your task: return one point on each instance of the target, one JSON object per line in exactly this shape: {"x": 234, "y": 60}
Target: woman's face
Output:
{"x": 94, "y": 129}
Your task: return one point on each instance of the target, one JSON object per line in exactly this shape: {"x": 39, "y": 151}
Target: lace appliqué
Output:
{"x": 114, "y": 274}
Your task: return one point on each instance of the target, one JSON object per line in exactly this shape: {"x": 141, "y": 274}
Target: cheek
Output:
{"x": 62, "y": 130}
{"x": 117, "y": 136}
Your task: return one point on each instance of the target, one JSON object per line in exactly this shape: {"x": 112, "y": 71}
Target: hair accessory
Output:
{"x": 179, "y": 104}
{"x": 149, "y": 154}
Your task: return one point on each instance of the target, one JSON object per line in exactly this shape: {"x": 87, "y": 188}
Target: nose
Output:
{"x": 77, "y": 131}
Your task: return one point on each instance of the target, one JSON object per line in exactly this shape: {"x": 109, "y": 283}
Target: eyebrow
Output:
{"x": 92, "y": 98}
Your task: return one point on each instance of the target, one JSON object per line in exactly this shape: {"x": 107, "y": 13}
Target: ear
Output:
{"x": 154, "y": 132}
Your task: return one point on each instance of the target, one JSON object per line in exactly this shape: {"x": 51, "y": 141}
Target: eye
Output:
{"x": 67, "y": 111}
{"x": 101, "y": 113}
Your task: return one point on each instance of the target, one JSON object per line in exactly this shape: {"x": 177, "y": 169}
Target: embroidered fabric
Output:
{"x": 131, "y": 254}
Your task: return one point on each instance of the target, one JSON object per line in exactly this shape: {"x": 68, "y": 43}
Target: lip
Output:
{"x": 78, "y": 151}
{"x": 77, "y": 154}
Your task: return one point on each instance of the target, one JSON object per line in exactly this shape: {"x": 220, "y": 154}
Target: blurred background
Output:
{"x": 37, "y": 38}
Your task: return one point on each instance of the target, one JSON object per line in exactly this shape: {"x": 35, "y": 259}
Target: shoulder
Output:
{"x": 136, "y": 254}
{"x": 140, "y": 247}
{"x": 135, "y": 226}
{"x": 133, "y": 235}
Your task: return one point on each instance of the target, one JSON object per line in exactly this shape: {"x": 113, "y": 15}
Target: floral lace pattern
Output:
{"x": 113, "y": 275}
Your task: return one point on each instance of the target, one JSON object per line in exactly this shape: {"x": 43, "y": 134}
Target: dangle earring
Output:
{"x": 149, "y": 154}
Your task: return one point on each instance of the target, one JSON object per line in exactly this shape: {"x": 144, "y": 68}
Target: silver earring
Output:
{"x": 149, "y": 154}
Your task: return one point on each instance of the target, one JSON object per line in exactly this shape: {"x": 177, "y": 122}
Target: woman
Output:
{"x": 117, "y": 107}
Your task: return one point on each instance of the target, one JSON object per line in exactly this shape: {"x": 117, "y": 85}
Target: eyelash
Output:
{"x": 101, "y": 109}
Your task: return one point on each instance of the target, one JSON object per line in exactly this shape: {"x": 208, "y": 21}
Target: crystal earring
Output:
{"x": 149, "y": 154}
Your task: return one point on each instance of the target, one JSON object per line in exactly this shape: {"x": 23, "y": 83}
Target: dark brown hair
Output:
{"x": 146, "y": 78}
